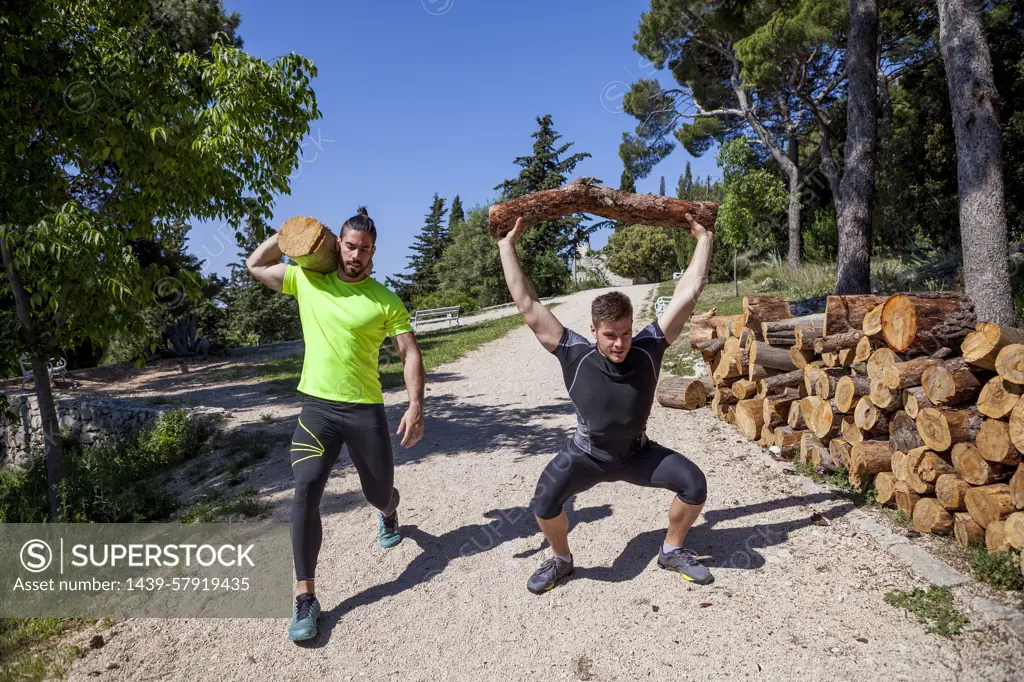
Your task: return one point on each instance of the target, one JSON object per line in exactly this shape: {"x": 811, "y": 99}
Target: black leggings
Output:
{"x": 324, "y": 426}
{"x": 654, "y": 466}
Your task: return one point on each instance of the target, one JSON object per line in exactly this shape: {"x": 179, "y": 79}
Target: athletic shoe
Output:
{"x": 548, "y": 575}
{"x": 684, "y": 562}
{"x": 305, "y": 611}
{"x": 390, "y": 535}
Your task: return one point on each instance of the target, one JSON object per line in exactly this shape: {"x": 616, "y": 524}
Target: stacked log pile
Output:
{"x": 908, "y": 394}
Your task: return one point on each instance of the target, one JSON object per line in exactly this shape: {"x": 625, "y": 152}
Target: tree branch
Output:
{"x": 22, "y": 305}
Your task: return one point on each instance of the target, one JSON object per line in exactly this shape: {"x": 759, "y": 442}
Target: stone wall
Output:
{"x": 92, "y": 421}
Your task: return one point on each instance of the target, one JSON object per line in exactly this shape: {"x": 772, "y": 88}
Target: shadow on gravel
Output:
{"x": 722, "y": 547}
{"x": 440, "y": 550}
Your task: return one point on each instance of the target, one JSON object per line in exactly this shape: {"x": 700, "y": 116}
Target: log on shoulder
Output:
{"x": 582, "y": 196}
{"x": 309, "y": 243}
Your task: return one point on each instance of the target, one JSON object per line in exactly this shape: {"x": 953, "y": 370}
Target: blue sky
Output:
{"x": 424, "y": 96}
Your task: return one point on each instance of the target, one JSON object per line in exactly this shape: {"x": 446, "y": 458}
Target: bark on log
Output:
{"x": 843, "y": 313}
{"x": 951, "y": 492}
{"x": 309, "y": 243}
{"x": 770, "y": 356}
{"x": 806, "y": 336}
{"x": 580, "y": 196}
{"x": 995, "y": 445}
{"x": 760, "y": 309}
{"x": 711, "y": 348}
{"x": 849, "y": 389}
{"x": 837, "y": 342}
{"x": 781, "y": 340}
{"x": 995, "y": 538}
{"x": 941, "y": 428}
{"x": 998, "y": 397}
{"x": 974, "y": 468}
{"x": 989, "y": 503}
{"x": 906, "y": 499}
{"x": 927, "y": 321}
{"x": 1010, "y": 363}
{"x": 776, "y": 408}
{"x": 903, "y": 432}
{"x": 757, "y": 373}
{"x": 906, "y": 374}
{"x": 870, "y": 457}
{"x": 791, "y": 324}
{"x": 967, "y": 531}
{"x": 914, "y": 400}
{"x": 950, "y": 383}
{"x": 885, "y": 484}
{"x": 982, "y": 346}
{"x": 778, "y": 383}
{"x": 930, "y": 517}
{"x": 750, "y": 417}
{"x": 686, "y": 393}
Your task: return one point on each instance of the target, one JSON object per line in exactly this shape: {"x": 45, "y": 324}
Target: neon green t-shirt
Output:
{"x": 343, "y": 325}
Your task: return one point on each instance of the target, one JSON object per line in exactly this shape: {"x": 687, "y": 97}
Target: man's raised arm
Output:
{"x": 545, "y": 326}
{"x": 265, "y": 264}
{"x": 690, "y": 285}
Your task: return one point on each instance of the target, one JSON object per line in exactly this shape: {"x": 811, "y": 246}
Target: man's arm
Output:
{"x": 690, "y": 284}
{"x": 544, "y": 324}
{"x": 412, "y": 364}
{"x": 265, "y": 264}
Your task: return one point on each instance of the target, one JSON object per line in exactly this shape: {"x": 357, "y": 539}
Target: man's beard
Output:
{"x": 354, "y": 269}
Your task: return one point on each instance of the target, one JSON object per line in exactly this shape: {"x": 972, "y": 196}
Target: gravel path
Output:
{"x": 792, "y": 601}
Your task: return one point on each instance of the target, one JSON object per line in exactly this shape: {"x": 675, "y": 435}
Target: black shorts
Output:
{"x": 654, "y": 466}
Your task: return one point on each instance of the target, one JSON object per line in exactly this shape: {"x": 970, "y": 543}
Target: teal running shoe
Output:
{"x": 390, "y": 535}
{"x": 305, "y": 611}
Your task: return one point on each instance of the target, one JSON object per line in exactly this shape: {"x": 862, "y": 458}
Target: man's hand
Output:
{"x": 512, "y": 238}
{"x": 696, "y": 229}
{"x": 411, "y": 426}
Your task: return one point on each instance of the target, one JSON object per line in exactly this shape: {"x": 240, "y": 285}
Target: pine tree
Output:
{"x": 427, "y": 249}
{"x": 548, "y": 246}
{"x": 684, "y": 188}
{"x": 456, "y": 215}
{"x": 626, "y": 181}
{"x": 661, "y": 187}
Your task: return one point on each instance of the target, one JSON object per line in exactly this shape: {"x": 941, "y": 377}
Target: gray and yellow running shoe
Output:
{"x": 684, "y": 562}
{"x": 547, "y": 576}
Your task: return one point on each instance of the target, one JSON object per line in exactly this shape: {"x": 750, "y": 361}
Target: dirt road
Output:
{"x": 792, "y": 601}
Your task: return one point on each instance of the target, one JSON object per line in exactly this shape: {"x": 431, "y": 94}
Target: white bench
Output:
{"x": 659, "y": 305}
{"x": 54, "y": 368}
{"x": 449, "y": 315}
{"x": 677, "y": 275}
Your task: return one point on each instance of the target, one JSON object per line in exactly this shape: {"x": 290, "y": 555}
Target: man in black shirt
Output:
{"x": 611, "y": 384}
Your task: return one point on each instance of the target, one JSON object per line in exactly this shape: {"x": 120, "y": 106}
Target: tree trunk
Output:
{"x": 950, "y": 383}
{"x": 925, "y": 322}
{"x": 1010, "y": 363}
{"x": 1013, "y": 526}
{"x": 579, "y": 196}
{"x": 872, "y": 325}
{"x": 769, "y": 356}
{"x": 914, "y": 400}
{"x": 951, "y": 491}
{"x": 774, "y": 384}
{"x": 995, "y": 445}
{"x": 907, "y": 374}
{"x": 1017, "y": 487}
{"x": 687, "y": 393}
{"x": 982, "y": 346}
{"x": 760, "y": 309}
{"x": 839, "y": 451}
{"x": 998, "y": 398}
{"x": 906, "y": 499}
{"x": 793, "y": 259}
{"x": 702, "y": 327}
{"x": 844, "y": 313}
{"x": 883, "y": 397}
{"x": 930, "y": 517}
{"x": 775, "y": 409}
{"x": 903, "y": 433}
{"x": 871, "y": 457}
{"x": 989, "y": 503}
{"x": 940, "y": 429}
{"x": 849, "y": 389}
{"x": 975, "y": 106}
{"x": 974, "y": 468}
{"x": 885, "y": 484}
{"x": 857, "y": 188}
{"x": 750, "y": 417}
{"x": 966, "y": 530}
{"x": 912, "y": 475}
{"x": 995, "y": 538}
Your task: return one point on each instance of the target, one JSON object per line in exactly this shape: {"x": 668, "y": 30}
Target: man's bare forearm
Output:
{"x": 412, "y": 368}
{"x": 519, "y": 285}
{"x": 692, "y": 281}
{"x": 267, "y": 253}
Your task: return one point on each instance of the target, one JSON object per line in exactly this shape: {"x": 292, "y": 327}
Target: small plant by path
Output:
{"x": 999, "y": 569}
{"x": 934, "y": 608}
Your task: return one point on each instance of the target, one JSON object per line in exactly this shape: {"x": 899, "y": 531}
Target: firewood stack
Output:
{"x": 908, "y": 394}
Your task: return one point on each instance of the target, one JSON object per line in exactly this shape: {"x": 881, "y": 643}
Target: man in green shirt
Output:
{"x": 345, "y": 316}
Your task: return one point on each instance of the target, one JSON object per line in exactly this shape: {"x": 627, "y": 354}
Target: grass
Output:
{"x": 244, "y": 502}
{"x": 999, "y": 569}
{"x": 934, "y": 608}
{"x": 25, "y": 655}
{"x": 438, "y": 348}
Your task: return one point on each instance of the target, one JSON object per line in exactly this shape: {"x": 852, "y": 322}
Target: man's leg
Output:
{"x": 569, "y": 473}
{"x": 368, "y": 436}
{"x": 316, "y": 444}
{"x": 658, "y": 467}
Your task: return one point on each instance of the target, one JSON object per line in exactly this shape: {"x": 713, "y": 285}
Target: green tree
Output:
{"x": 109, "y": 134}
{"x": 426, "y": 249}
{"x": 641, "y": 252}
{"x": 471, "y": 266}
{"x": 685, "y": 185}
{"x": 549, "y": 245}
{"x": 751, "y": 215}
{"x": 456, "y": 215}
{"x": 661, "y": 187}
